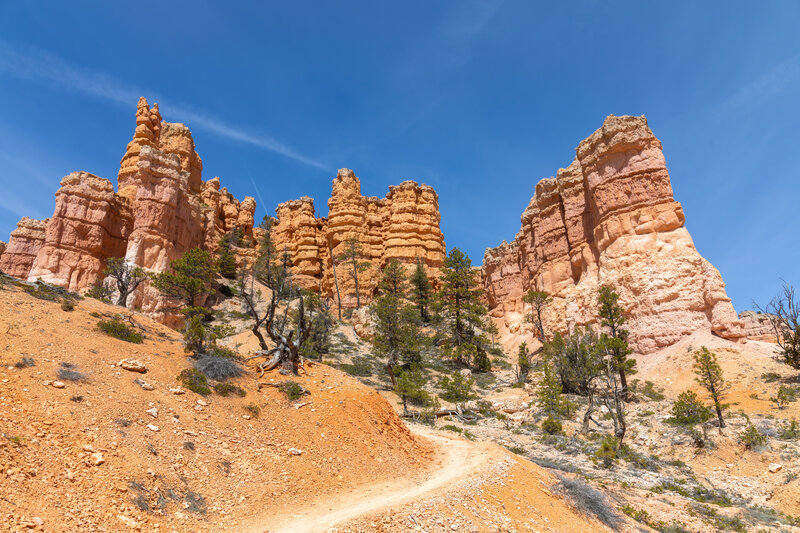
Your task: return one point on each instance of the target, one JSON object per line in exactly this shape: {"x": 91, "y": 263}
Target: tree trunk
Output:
{"x": 335, "y": 280}
{"x": 390, "y": 368}
{"x": 719, "y": 414}
{"x": 355, "y": 280}
{"x": 623, "y": 381}
{"x": 260, "y": 337}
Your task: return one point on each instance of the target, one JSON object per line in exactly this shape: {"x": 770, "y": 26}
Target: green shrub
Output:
{"x": 356, "y": 369}
{"x": 689, "y": 410}
{"x": 45, "y": 291}
{"x": 227, "y": 389}
{"x": 451, "y": 427}
{"x": 784, "y": 396}
{"x": 752, "y": 438}
{"x": 457, "y": 387}
{"x": 195, "y": 381}
{"x": 607, "y": 452}
{"x": 790, "y": 431}
{"x": 293, "y": 390}
{"x": 551, "y": 426}
{"x": 253, "y": 409}
{"x": 118, "y": 329}
{"x": 648, "y": 390}
{"x": 100, "y": 291}
{"x": 68, "y": 304}
{"x": 770, "y": 377}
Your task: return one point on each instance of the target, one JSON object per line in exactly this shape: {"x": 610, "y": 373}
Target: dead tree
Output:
{"x": 286, "y": 349}
{"x": 783, "y": 313}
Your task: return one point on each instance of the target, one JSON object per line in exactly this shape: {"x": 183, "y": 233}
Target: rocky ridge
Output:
{"x": 161, "y": 209}
{"x": 610, "y": 218}
{"x": 404, "y": 226}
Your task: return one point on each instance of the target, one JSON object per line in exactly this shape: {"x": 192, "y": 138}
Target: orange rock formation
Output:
{"x": 23, "y": 245}
{"x": 161, "y": 209}
{"x": 402, "y": 226}
{"x": 610, "y": 218}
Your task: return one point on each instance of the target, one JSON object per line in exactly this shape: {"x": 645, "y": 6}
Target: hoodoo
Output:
{"x": 404, "y": 226}
{"x": 161, "y": 209}
{"x": 610, "y": 218}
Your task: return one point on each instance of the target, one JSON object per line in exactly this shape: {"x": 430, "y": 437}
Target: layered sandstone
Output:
{"x": 161, "y": 209}
{"x": 610, "y": 218}
{"x": 23, "y": 246}
{"x": 402, "y": 226}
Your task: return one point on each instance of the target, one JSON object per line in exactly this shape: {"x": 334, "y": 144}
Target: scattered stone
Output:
{"x": 152, "y": 427}
{"x": 97, "y": 459}
{"x": 775, "y": 467}
{"x": 177, "y": 391}
{"x": 202, "y": 402}
{"x": 466, "y": 372}
{"x": 153, "y": 411}
{"x": 128, "y": 521}
{"x": 58, "y": 384}
{"x": 133, "y": 365}
{"x": 247, "y": 417}
{"x": 143, "y": 384}
{"x": 295, "y": 451}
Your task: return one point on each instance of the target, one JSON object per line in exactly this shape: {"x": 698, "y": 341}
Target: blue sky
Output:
{"x": 478, "y": 99}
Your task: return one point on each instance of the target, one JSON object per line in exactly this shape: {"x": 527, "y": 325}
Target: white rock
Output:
{"x": 97, "y": 459}
{"x": 58, "y": 384}
{"x": 295, "y": 451}
{"x": 134, "y": 365}
{"x": 152, "y": 427}
{"x": 153, "y": 411}
{"x": 202, "y": 402}
{"x": 176, "y": 391}
{"x": 775, "y": 467}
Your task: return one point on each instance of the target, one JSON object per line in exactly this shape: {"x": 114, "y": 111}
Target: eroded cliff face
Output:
{"x": 402, "y": 226}
{"x": 23, "y": 246}
{"x": 610, "y": 218}
{"x": 161, "y": 209}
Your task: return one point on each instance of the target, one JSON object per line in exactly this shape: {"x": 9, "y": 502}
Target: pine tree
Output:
{"x": 188, "y": 278}
{"x": 226, "y": 261}
{"x": 396, "y": 335}
{"x": 265, "y": 268}
{"x": 319, "y": 323}
{"x": 523, "y": 362}
{"x": 549, "y": 394}
{"x": 709, "y": 375}
{"x": 409, "y": 384}
{"x": 351, "y": 256}
{"x": 463, "y": 312}
{"x": 616, "y": 344}
{"x": 538, "y": 300}
{"x": 421, "y": 291}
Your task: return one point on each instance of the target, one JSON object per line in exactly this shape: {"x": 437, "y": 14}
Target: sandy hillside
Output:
{"x": 119, "y": 450}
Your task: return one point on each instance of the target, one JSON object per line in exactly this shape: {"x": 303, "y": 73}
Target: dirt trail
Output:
{"x": 458, "y": 459}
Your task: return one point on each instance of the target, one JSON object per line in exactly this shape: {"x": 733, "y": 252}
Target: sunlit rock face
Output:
{"x": 609, "y": 218}
{"x": 403, "y": 226}
{"x": 161, "y": 209}
{"x": 23, "y": 245}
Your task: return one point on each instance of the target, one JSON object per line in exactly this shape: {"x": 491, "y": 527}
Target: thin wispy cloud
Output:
{"x": 39, "y": 66}
{"x": 783, "y": 77}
